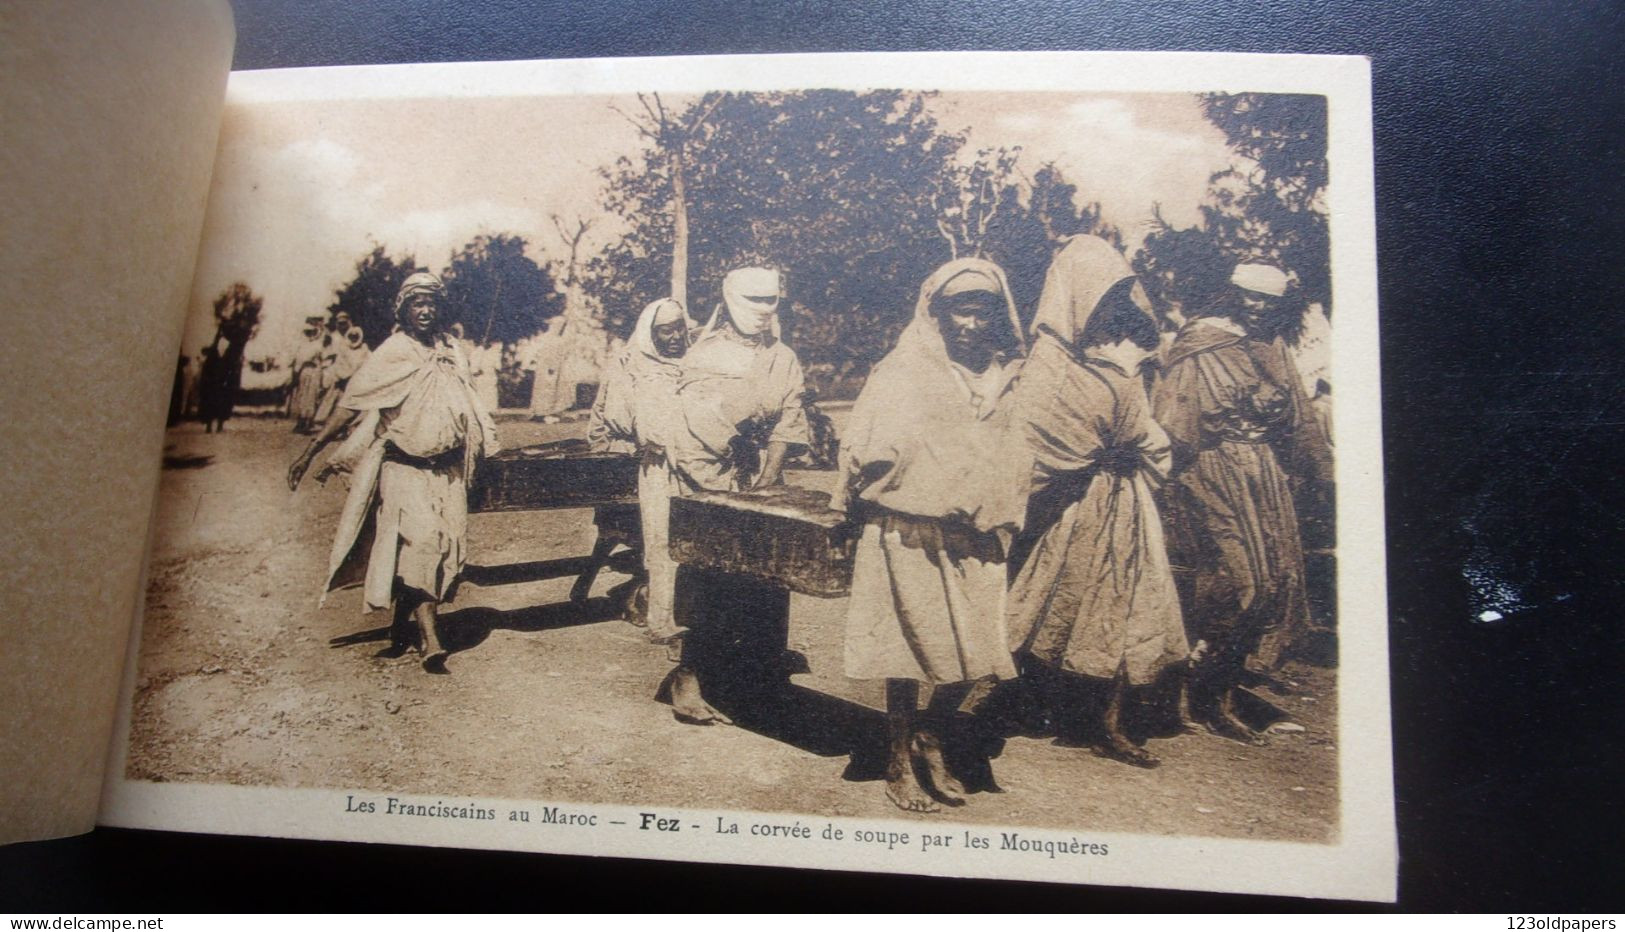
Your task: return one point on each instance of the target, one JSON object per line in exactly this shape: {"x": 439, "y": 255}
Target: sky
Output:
{"x": 302, "y": 190}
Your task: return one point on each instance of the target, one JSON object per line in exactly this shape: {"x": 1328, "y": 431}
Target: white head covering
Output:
{"x": 418, "y": 283}
{"x": 750, "y": 317}
{"x": 958, "y": 277}
{"x": 1261, "y": 278}
{"x": 667, "y": 311}
{"x": 1085, "y": 270}
{"x": 661, "y": 311}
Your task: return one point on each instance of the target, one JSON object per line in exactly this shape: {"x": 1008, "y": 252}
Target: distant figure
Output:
{"x": 930, "y": 467}
{"x": 634, "y": 412}
{"x": 343, "y": 352}
{"x": 189, "y": 388}
{"x": 549, "y": 395}
{"x": 420, "y": 433}
{"x": 1094, "y": 608}
{"x": 738, "y": 415}
{"x": 306, "y": 373}
{"x": 485, "y": 367}
{"x": 218, "y": 381}
{"x": 1234, "y": 407}
{"x": 177, "y": 392}
{"x": 1321, "y": 402}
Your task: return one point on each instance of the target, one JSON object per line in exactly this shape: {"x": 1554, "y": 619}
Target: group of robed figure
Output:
{"x": 1083, "y": 509}
{"x": 1073, "y": 504}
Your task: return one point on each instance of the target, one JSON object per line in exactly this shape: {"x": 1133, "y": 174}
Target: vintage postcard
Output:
{"x": 915, "y": 463}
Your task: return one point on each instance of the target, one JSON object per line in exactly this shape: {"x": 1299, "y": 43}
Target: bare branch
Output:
{"x": 636, "y": 124}
{"x": 947, "y": 234}
{"x": 657, "y": 116}
{"x": 704, "y": 114}
{"x": 990, "y": 206}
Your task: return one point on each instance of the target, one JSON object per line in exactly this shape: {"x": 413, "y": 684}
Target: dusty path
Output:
{"x": 238, "y": 684}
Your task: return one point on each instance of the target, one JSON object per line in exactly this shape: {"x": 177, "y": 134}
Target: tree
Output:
{"x": 369, "y": 297}
{"x": 1036, "y": 216}
{"x": 855, "y": 197}
{"x": 220, "y": 376}
{"x": 968, "y": 198}
{"x": 1183, "y": 271}
{"x": 1275, "y": 209}
{"x": 832, "y": 187}
{"x": 498, "y": 293}
{"x": 237, "y": 314}
{"x": 572, "y": 237}
{"x": 671, "y": 135}
{"x": 1054, "y": 205}
{"x": 1272, "y": 209}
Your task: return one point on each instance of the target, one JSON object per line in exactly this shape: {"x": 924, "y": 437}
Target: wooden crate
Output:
{"x": 787, "y": 536}
{"x": 553, "y": 475}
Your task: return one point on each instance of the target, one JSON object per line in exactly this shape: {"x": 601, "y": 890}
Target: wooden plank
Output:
{"x": 553, "y": 475}
{"x": 787, "y": 536}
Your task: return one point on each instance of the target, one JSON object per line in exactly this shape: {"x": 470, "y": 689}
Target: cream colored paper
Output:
{"x": 110, "y": 115}
{"x": 282, "y": 122}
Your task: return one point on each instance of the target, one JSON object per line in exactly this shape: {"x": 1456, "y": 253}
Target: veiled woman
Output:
{"x": 1235, "y": 409}
{"x": 927, "y": 464}
{"x": 306, "y": 369}
{"x": 343, "y": 352}
{"x": 636, "y": 411}
{"x": 1095, "y": 599}
{"x": 740, "y": 395}
{"x": 421, "y": 429}
{"x": 737, "y": 414}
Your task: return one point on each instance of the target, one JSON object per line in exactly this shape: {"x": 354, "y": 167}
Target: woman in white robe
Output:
{"x": 740, "y": 395}
{"x": 738, "y": 412}
{"x": 636, "y": 411}
{"x": 306, "y": 370}
{"x": 485, "y": 369}
{"x": 343, "y": 353}
{"x": 928, "y": 464}
{"x": 421, "y": 431}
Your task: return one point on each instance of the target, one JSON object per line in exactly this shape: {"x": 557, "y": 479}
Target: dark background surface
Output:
{"x": 1500, "y": 130}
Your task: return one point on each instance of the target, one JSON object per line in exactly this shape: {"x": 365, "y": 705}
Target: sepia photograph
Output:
{"x": 950, "y": 461}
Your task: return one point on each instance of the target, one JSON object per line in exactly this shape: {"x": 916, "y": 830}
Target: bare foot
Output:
{"x": 1184, "y": 720}
{"x": 905, "y": 791}
{"x": 1226, "y": 724}
{"x": 928, "y": 751}
{"x": 688, "y": 705}
{"x": 1119, "y": 748}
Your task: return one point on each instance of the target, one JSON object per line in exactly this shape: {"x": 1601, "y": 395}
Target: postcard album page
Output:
{"x": 111, "y": 113}
{"x": 917, "y": 463}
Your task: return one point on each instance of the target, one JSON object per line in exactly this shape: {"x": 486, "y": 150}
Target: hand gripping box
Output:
{"x": 785, "y": 535}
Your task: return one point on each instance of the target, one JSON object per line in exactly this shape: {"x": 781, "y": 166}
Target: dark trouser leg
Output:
{"x": 401, "y": 626}
{"x": 738, "y": 630}
{"x": 417, "y": 615}
{"x": 696, "y": 596}
{"x": 600, "y": 555}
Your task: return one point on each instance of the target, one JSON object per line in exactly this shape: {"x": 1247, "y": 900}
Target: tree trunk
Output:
{"x": 679, "y": 225}
{"x": 496, "y": 308}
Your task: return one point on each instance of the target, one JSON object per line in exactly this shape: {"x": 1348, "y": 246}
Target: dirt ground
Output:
{"x": 241, "y": 681}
